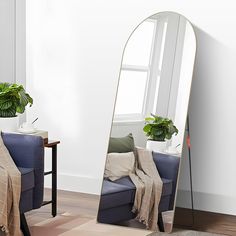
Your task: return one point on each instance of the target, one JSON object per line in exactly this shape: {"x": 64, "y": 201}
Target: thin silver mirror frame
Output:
{"x": 115, "y": 101}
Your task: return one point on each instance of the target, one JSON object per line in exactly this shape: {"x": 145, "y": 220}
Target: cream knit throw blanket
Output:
{"x": 10, "y": 189}
{"x": 148, "y": 189}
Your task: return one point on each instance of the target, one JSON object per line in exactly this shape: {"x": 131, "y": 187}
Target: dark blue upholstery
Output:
{"x": 117, "y": 197}
{"x": 116, "y": 214}
{"x": 168, "y": 168}
{"x": 114, "y": 195}
{"x": 27, "y": 178}
{"x": 27, "y": 151}
{"x": 122, "y": 191}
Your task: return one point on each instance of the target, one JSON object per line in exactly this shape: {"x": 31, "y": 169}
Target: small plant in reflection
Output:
{"x": 158, "y": 128}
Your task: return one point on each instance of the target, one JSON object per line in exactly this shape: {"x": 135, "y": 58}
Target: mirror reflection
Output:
{"x": 145, "y": 147}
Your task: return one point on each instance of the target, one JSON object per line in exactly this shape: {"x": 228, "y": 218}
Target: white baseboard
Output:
{"x": 207, "y": 202}
{"x": 77, "y": 183}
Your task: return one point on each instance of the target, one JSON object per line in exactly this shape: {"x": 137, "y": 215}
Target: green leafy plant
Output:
{"x": 13, "y": 99}
{"x": 158, "y": 128}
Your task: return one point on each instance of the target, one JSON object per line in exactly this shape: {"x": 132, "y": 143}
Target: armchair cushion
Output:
{"x": 119, "y": 165}
{"x": 121, "y": 144}
{"x": 122, "y": 192}
{"x": 114, "y": 194}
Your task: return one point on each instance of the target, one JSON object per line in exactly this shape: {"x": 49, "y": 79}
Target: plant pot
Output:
{"x": 9, "y": 124}
{"x": 156, "y": 146}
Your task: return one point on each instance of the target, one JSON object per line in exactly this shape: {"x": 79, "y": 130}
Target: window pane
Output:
{"x": 138, "y": 49}
{"x": 131, "y": 92}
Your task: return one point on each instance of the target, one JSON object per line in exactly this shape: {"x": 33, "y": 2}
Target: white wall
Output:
{"x": 74, "y": 86}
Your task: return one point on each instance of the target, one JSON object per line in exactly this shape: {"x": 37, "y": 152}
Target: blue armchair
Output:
{"x": 117, "y": 198}
{"x": 27, "y": 152}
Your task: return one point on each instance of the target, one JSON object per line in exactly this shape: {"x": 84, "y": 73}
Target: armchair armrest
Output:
{"x": 28, "y": 151}
{"x": 168, "y": 168}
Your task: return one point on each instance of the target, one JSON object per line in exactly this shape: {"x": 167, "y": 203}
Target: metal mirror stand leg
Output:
{"x": 190, "y": 169}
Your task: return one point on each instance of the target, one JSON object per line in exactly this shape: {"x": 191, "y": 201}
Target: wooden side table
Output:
{"x": 53, "y": 145}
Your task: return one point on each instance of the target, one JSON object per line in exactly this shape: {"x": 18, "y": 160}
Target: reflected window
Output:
{"x": 141, "y": 39}
{"x": 140, "y": 71}
{"x": 130, "y": 101}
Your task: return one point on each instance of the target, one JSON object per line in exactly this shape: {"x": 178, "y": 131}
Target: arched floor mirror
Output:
{"x": 145, "y": 147}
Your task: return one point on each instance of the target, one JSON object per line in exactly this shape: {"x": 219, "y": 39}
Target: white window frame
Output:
{"x": 153, "y": 73}
{"x": 137, "y": 117}
{"x": 157, "y": 60}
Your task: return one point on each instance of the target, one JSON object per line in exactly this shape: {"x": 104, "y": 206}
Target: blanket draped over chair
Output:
{"x": 148, "y": 189}
{"x": 10, "y": 189}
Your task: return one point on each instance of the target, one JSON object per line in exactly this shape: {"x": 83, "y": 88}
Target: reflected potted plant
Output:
{"x": 158, "y": 130}
{"x": 13, "y": 101}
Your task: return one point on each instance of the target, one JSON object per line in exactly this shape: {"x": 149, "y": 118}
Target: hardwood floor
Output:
{"x": 74, "y": 209}
{"x": 205, "y": 221}
{"x": 76, "y": 216}
{"x": 75, "y": 203}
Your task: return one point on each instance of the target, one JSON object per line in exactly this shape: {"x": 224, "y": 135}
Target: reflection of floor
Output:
{"x": 76, "y": 217}
{"x": 167, "y": 219}
{"x": 94, "y": 229}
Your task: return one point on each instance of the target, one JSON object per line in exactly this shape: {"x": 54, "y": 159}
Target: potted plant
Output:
{"x": 13, "y": 100}
{"x": 158, "y": 130}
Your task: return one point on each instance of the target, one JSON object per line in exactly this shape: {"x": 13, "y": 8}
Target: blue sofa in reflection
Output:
{"x": 28, "y": 154}
{"x": 117, "y": 197}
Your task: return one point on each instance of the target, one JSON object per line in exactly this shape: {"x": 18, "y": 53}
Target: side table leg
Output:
{"x": 54, "y": 180}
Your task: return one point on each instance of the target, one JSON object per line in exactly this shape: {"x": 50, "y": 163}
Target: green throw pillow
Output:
{"x": 121, "y": 145}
